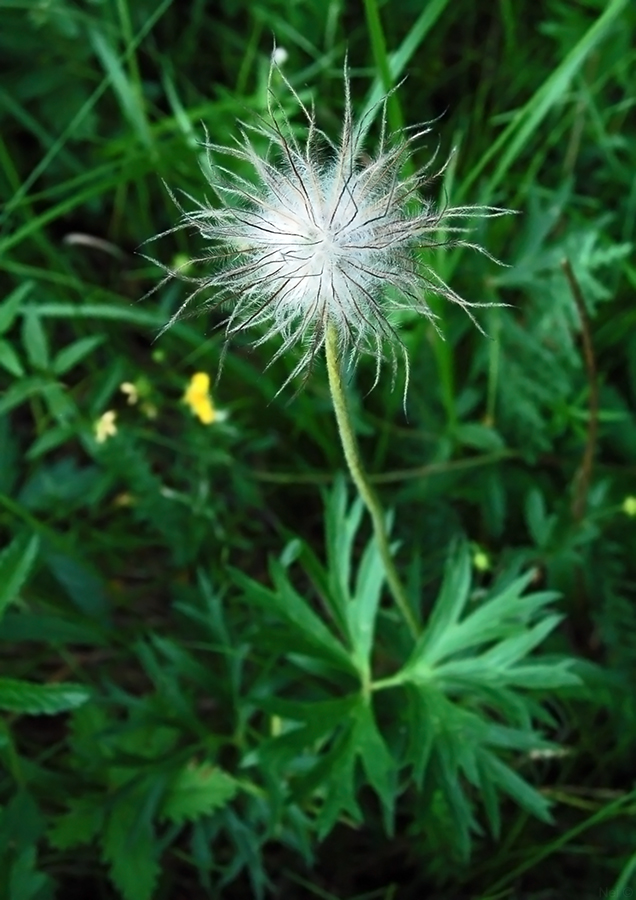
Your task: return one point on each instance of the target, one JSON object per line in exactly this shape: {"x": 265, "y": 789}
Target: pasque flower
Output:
{"x": 320, "y": 244}
{"x": 322, "y": 235}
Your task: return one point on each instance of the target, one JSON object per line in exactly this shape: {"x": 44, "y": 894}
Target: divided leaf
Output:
{"x": 449, "y": 605}
{"x": 322, "y": 754}
{"x": 298, "y": 615}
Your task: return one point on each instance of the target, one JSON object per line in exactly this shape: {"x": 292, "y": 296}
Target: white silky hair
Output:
{"x": 323, "y": 234}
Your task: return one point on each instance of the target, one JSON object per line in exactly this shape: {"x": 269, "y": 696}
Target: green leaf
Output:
{"x": 481, "y": 437}
{"x": 130, "y": 847}
{"x": 9, "y": 359}
{"x": 421, "y": 718}
{"x": 296, "y": 613}
{"x": 510, "y": 783}
{"x": 548, "y": 676}
{"x": 527, "y": 118}
{"x": 21, "y": 391}
{"x": 520, "y": 739}
{"x": 11, "y": 466}
{"x": 59, "y": 403}
{"x": 449, "y": 604}
{"x": 377, "y": 762}
{"x": 70, "y": 356}
{"x": 197, "y": 790}
{"x": 82, "y": 584}
{"x": 490, "y": 800}
{"x": 322, "y": 583}
{"x": 10, "y": 307}
{"x": 508, "y": 652}
{"x": 500, "y": 618}
{"x": 79, "y": 825}
{"x": 319, "y": 720}
{"x": 336, "y": 773}
{"x": 347, "y": 725}
{"x": 16, "y": 562}
{"x": 109, "y": 311}
{"x": 363, "y": 607}
{"x": 21, "y": 822}
{"x": 40, "y": 699}
{"x": 49, "y": 440}
{"x": 340, "y": 532}
{"x": 35, "y": 340}
{"x": 25, "y": 882}
{"x": 449, "y": 754}
{"x": 540, "y": 524}
{"x": 496, "y": 618}
{"x": 128, "y": 93}
{"x": 25, "y": 625}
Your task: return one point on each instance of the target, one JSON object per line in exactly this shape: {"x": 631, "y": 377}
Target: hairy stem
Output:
{"x": 360, "y": 478}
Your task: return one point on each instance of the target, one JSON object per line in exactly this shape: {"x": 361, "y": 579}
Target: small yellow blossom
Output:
{"x": 131, "y": 392}
{"x": 197, "y": 397}
{"x": 105, "y": 426}
{"x": 629, "y": 506}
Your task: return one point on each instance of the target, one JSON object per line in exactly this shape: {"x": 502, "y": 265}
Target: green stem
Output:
{"x": 360, "y": 478}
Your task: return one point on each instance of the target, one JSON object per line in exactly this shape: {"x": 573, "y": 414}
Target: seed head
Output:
{"x": 322, "y": 234}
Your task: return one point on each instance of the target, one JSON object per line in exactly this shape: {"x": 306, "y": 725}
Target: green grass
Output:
{"x": 205, "y": 690}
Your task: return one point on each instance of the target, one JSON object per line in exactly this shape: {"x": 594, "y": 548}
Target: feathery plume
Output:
{"x": 322, "y": 235}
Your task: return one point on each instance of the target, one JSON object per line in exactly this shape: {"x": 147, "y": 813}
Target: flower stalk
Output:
{"x": 360, "y": 477}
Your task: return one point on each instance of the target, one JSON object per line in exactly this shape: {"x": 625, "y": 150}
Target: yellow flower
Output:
{"x": 131, "y": 391}
{"x": 197, "y": 397}
{"x": 105, "y": 426}
{"x": 629, "y": 506}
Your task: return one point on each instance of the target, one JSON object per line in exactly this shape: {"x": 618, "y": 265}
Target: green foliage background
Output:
{"x": 204, "y": 689}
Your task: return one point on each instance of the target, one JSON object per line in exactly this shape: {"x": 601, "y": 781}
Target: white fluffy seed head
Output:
{"x": 321, "y": 235}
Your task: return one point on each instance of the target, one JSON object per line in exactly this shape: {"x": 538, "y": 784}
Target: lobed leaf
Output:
{"x": 197, "y": 790}
{"x": 293, "y": 610}
{"x": 449, "y": 605}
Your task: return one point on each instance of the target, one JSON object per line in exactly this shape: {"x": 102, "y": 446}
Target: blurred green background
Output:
{"x": 123, "y": 514}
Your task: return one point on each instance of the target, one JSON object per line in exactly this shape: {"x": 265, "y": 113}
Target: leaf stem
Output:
{"x": 360, "y": 477}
